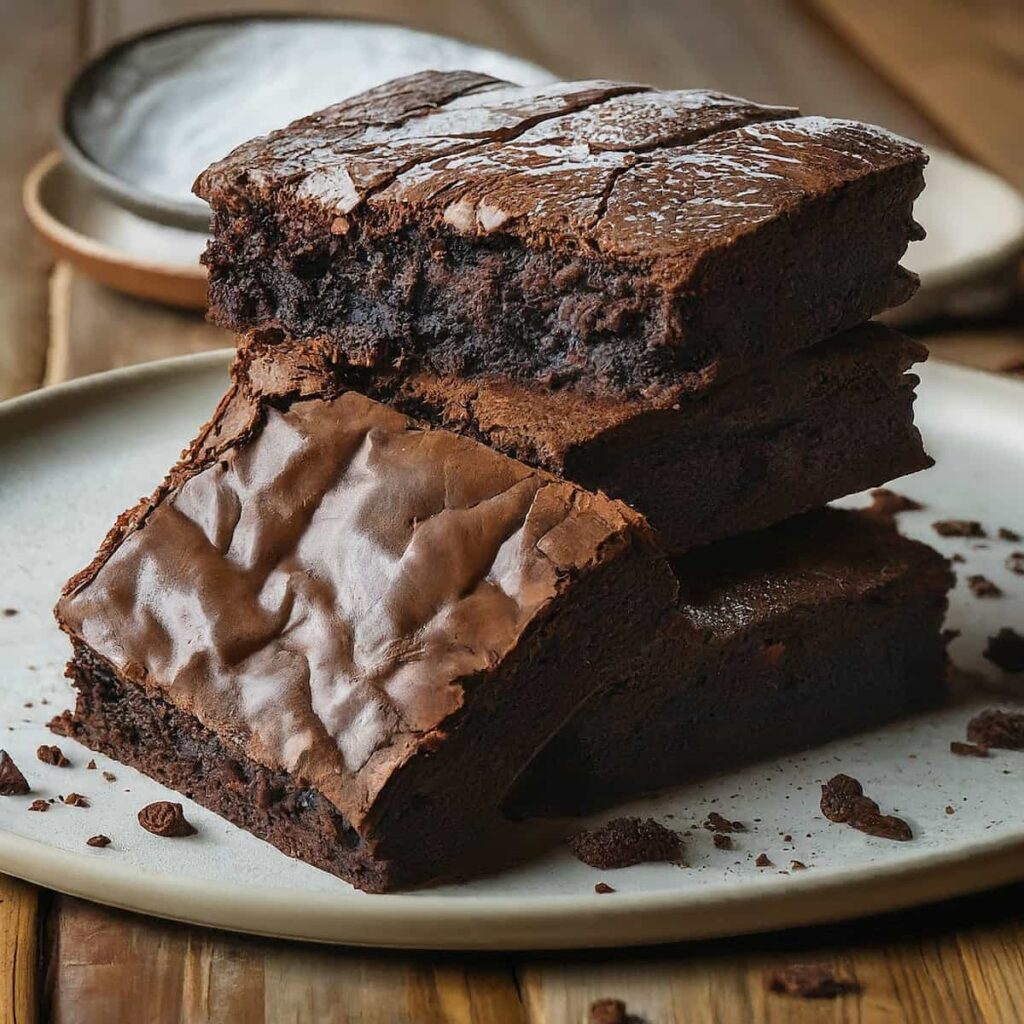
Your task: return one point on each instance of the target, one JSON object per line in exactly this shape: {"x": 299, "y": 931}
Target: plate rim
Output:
{"x": 423, "y": 920}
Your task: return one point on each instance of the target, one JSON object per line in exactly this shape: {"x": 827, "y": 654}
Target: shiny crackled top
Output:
{"x": 318, "y": 593}
{"x": 623, "y": 170}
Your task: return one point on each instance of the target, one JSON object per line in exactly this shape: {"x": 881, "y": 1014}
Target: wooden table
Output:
{"x": 941, "y": 70}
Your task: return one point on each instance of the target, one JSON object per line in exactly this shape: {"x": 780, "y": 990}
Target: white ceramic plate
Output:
{"x": 72, "y": 457}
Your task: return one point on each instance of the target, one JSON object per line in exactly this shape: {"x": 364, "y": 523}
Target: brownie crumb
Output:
{"x": 52, "y": 755}
{"x": 949, "y": 809}
{"x": 982, "y": 586}
{"x": 626, "y": 841}
{"x": 787, "y": 838}
{"x": 62, "y": 724}
{"x": 39, "y": 805}
{"x": 76, "y": 800}
{"x": 91, "y": 765}
{"x": 602, "y": 888}
{"x": 12, "y": 782}
{"x": 608, "y": 1011}
{"x": 797, "y": 865}
{"x": 763, "y": 861}
{"x": 957, "y": 558}
{"x": 717, "y": 823}
{"x": 99, "y": 841}
{"x": 967, "y": 749}
{"x": 959, "y": 528}
{"x": 10, "y": 612}
{"x": 843, "y": 801}
{"x": 723, "y": 841}
{"x": 1005, "y": 533}
{"x": 110, "y": 776}
{"x": 1002, "y": 729}
{"x": 808, "y": 981}
{"x": 1006, "y": 650}
{"x": 164, "y": 818}
{"x": 1015, "y": 563}
{"x": 886, "y": 504}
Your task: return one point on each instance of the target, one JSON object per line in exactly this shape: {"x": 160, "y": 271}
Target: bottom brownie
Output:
{"x": 782, "y": 640}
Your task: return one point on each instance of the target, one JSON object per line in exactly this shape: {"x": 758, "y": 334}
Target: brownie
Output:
{"x": 782, "y": 640}
{"x": 609, "y": 236}
{"x": 348, "y": 633}
{"x": 823, "y": 423}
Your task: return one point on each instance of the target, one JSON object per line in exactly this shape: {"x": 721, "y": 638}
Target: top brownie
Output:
{"x": 606, "y": 236}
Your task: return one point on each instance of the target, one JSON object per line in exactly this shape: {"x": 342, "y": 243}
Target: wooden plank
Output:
{"x": 93, "y": 328}
{"x": 19, "y": 951}
{"x": 949, "y": 57}
{"x": 39, "y": 49}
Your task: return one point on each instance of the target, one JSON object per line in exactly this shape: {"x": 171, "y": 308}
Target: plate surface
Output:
{"x": 144, "y": 118}
{"x": 72, "y": 457}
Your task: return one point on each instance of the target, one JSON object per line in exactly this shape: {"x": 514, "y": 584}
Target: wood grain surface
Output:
{"x": 67, "y": 961}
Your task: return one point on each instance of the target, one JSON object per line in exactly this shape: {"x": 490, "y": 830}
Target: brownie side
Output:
{"x": 608, "y": 237}
{"x": 783, "y": 640}
{"x": 823, "y": 423}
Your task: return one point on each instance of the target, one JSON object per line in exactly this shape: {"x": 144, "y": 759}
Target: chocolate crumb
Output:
{"x": 76, "y": 800}
{"x": 787, "y": 838}
{"x": 885, "y": 504}
{"x": 967, "y": 749}
{"x": 716, "y": 822}
{"x": 91, "y": 765}
{"x": 723, "y": 841}
{"x": 12, "y": 782}
{"x": 626, "y": 841}
{"x": 843, "y": 801}
{"x": 1015, "y": 563}
{"x": 982, "y": 586}
{"x": 1007, "y": 534}
{"x": 763, "y": 861}
{"x": 39, "y": 805}
{"x": 9, "y": 612}
{"x": 808, "y": 981}
{"x": 1006, "y": 650}
{"x": 99, "y": 841}
{"x": 797, "y": 865}
{"x": 957, "y": 558}
{"x": 602, "y": 888}
{"x": 993, "y": 728}
{"x": 949, "y": 809}
{"x": 62, "y": 724}
{"x": 608, "y": 1011}
{"x": 884, "y": 826}
{"x": 27, "y": 704}
{"x": 110, "y": 776}
{"x": 52, "y": 755}
{"x": 165, "y": 819}
{"x": 959, "y": 528}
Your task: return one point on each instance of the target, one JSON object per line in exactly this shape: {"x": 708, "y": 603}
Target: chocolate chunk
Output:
{"x": 39, "y": 805}
{"x": 994, "y": 728}
{"x": 886, "y": 504}
{"x": 718, "y": 823}
{"x": 99, "y": 841}
{"x": 1007, "y": 534}
{"x": 1015, "y": 563}
{"x": 166, "y": 819}
{"x": 1006, "y": 650}
{"x": 884, "y": 826}
{"x": 52, "y": 755}
{"x": 959, "y": 528}
{"x": 76, "y": 800}
{"x": 982, "y": 586}
{"x": 723, "y": 841}
{"x": 763, "y": 861}
{"x": 12, "y": 782}
{"x": 602, "y": 888}
{"x": 626, "y": 841}
{"x": 843, "y": 796}
{"x": 808, "y": 981}
{"x": 967, "y": 749}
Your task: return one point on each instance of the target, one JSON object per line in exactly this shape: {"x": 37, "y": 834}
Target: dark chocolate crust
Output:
{"x": 606, "y": 236}
{"x": 782, "y": 640}
{"x": 385, "y": 617}
{"x": 823, "y": 423}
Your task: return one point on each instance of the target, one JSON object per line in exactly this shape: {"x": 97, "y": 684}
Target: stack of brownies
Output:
{"x": 507, "y": 507}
